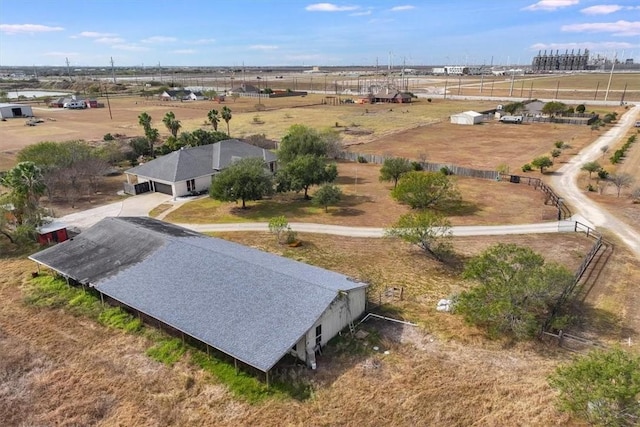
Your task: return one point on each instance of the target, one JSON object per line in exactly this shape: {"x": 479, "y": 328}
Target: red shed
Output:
{"x": 52, "y": 232}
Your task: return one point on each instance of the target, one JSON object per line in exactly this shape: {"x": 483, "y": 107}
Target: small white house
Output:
{"x": 467, "y": 118}
{"x": 8, "y": 111}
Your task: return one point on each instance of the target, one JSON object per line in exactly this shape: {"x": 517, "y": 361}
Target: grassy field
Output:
{"x": 96, "y": 374}
{"x": 368, "y": 202}
{"x": 62, "y": 366}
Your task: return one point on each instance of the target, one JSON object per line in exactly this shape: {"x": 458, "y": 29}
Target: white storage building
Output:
{"x": 8, "y": 111}
{"x": 467, "y": 118}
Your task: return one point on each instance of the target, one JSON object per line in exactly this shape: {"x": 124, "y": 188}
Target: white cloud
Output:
{"x": 159, "y": 39}
{"x": 93, "y": 34}
{"x": 585, "y": 45}
{"x": 110, "y": 40}
{"x": 203, "y": 41}
{"x": 551, "y": 4}
{"x": 61, "y": 54}
{"x": 27, "y": 28}
{"x": 402, "y": 8}
{"x": 364, "y": 13}
{"x": 263, "y": 47}
{"x": 329, "y": 7}
{"x": 129, "y": 47}
{"x": 603, "y": 9}
{"x": 618, "y": 28}
{"x": 184, "y": 51}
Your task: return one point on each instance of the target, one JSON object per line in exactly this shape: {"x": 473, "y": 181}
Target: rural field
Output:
{"x": 59, "y": 367}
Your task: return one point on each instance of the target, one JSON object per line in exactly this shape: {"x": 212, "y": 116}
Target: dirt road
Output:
{"x": 564, "y": 182}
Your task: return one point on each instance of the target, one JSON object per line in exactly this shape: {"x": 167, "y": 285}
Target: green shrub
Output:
{"x": 527, "y": 167}
{"x": 446, "y": 171}
{"x": 416, "y": 166}
{"x": 108, "y": 137}
{"x": 362, "y": 159}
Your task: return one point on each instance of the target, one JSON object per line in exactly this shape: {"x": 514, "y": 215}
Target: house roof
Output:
{"x": 227, "y": 151}
{"x": 468, "y": 113}
{"x": 177, "y": 92}
{"x": 244, "y": 302}
{"x": 179, "y": 165}
{"x": 193, "y": 162}
{"x": 246, "y": 88}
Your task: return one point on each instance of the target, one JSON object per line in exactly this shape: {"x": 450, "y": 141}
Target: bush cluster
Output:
{"x": 620, "y": 153}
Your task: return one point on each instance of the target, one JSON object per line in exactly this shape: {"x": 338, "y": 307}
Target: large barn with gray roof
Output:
{"x": 189, "y": 170}
{"x": 251, "y": 305}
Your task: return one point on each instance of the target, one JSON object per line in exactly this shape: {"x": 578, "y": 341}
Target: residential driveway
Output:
{"x": 564, "y": 181}
{"x": 139, "y": 205}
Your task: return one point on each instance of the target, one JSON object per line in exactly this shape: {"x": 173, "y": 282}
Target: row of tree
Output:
{"x": 186, "y": 139}
{"x": 303, "y": 157}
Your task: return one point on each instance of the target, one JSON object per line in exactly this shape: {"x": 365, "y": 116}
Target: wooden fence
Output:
{"x": 551, "y": 197}
{"x": 427, "y": 166}
{"x": 570, "y": 290}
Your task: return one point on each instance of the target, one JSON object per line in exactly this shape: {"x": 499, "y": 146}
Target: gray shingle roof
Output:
{"x": 179, "y": 165}
{"x": 225, "y": 152}
{"x": 247, "y": 303}
{"x": 193, "y": 162}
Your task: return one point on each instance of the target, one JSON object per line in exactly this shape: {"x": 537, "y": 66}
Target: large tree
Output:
{"x": 301, "y": 140}
{"x": 214, "y": 119}
{"x": 430, "y": 231}
{"x": 392, "y": 169}
{"x": 152, "y": 134}
{"x": 591, "y": 167}
{"x": 172, "y": 124}
{"x": 515, "y": 293}
{"x": 327, "y": 195}
{"x": 542, "y": 162}
{"x": 554, "y": 107}
{"x": 26, "y": 187}
{"x": 246, "y": 179}
{"x": 602, "y": 387}
{"x": 422, "y": 190}
{"x": 621, "y": 180}
{"x": 303, "y": 172}
{"x": 226, "y": 116}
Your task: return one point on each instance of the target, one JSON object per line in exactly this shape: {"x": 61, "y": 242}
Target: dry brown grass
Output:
{"x": 482, "y": 146}
{"x": 368, "y": 202}
{"x": 62, "y": 370}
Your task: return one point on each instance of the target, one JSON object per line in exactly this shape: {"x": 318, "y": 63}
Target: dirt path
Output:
{"x": 564, "y": 182}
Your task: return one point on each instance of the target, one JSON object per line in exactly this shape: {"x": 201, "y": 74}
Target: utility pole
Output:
{"x": 513, "y": 77}
{"x": 606, "y": 95}
{"x": 113, "y": 73}
{"x": 68, "y": 69}
{"x": 624, "y": 92}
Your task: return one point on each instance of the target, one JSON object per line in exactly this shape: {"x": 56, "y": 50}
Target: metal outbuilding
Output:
{"x": 252, "y": 306}
{"x": 467, "y": 118}
{"x": 8, "y": 111}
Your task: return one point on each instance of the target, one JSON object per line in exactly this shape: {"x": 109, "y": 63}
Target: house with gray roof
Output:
{"x": 189, "y": 170}
{"x": 250, "y": 305}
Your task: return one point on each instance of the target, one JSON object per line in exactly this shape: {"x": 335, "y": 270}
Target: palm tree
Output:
{"x": 27, "y": 186}
{"x": 226, "y": 116}
{"x": 171, "y": 123}
{"x": 214, "y": 118}
{"x": 144, "y": 120}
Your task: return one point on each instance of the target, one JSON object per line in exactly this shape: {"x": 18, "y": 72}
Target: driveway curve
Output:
{"x": 564, "y": 181}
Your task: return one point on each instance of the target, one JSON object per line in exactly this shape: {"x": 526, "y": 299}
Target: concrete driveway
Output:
{"x": 139, "y": 205}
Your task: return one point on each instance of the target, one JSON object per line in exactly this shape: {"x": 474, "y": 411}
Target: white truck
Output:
{"x": 511, "y": 119}
{"x": 75, "y": 105}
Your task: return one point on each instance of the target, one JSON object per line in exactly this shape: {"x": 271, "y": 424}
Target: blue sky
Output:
{"x": 293, "y": 32}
